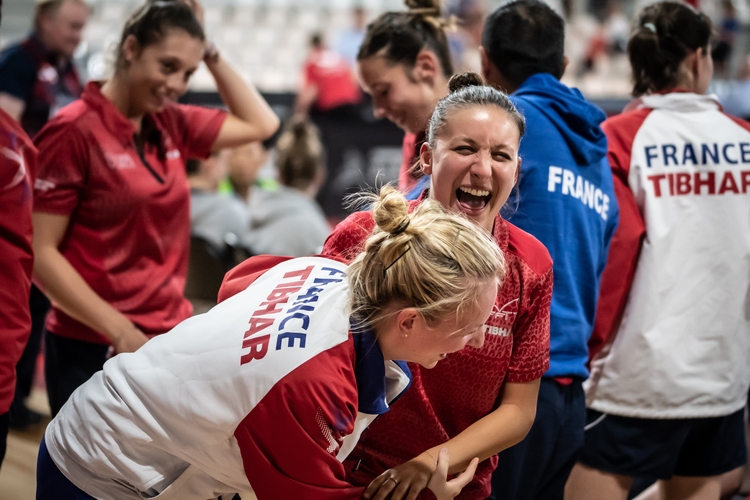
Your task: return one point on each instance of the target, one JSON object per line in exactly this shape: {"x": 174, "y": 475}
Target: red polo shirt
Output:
{"x": 129, "y": 228}
{"x": 17, "y": 166}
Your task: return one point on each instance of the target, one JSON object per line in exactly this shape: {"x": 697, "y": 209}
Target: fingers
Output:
{"x": 381, "y": 487}
{"x": 443, "y": 462}
{"x": 466, "y": 476}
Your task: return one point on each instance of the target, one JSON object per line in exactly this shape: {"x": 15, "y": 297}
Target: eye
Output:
{"x": 500, "y": 156}
{"x": 464, "y": 149}
{"x": 168, "y": 68}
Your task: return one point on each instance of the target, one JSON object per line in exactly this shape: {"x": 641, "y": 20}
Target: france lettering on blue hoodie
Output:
{"x": 566, "y": 199}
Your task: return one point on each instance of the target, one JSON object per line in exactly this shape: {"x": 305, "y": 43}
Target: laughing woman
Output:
{"x": 483, "y": 399}
{"x": 111, "y": 207}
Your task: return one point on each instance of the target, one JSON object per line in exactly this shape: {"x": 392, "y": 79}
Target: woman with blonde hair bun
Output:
{"x": 296, "y": 360}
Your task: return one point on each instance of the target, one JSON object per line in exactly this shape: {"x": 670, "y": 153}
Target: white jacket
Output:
{"x": 682, "y": 349}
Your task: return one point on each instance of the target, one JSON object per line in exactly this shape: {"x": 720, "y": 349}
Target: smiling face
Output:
{"x": 159, "y": 73}
{"x": 398, "y": 93}
{"x": 426, "y": 345}
{"x": 474, "y": 164}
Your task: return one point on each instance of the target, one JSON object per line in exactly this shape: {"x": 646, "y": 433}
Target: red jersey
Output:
{"x": 332, "y": 75}
{"x": 464, "y": 387}
{"x": 17, "y": 167}
{"x": 129, "y": 228}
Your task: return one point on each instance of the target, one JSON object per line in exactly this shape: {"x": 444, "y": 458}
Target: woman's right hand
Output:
{"x": 439, "y": 484}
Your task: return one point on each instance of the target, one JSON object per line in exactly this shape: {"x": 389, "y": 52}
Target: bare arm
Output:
{"x": 65, "y": 286}
{"x": 501, "y": 429}
{"x": 12, "y": 105}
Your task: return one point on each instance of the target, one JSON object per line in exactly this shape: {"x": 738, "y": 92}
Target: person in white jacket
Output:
{"x": 269, "y": 391}
{"x": 670, "y": 371}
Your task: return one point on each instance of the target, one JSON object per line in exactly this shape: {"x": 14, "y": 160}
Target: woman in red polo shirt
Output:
{"x": 482, "y": 400}
{"x": 111, "y": 207}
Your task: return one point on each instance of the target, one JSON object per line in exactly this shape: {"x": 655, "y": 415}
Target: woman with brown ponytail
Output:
{"x": 404, "y": 63}
{"x": 111, "y": 200}
{"x": 285, "y": 219}
{"x": 670, "y": 374}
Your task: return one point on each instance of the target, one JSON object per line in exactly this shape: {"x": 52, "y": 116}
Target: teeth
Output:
{"x": 475, "y": 192}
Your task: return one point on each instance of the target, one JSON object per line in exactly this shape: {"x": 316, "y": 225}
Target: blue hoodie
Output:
{"x": 566, "y": 199}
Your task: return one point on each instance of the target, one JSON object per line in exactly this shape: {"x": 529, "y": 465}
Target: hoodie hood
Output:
{"x": 577, "y": 119}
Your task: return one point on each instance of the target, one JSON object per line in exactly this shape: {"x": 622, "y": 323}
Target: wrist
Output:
{"x": 427, "y": 460}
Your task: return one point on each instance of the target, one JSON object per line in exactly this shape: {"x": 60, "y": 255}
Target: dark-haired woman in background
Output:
{"x": 284, "y": 217}
{"x": 111, "y": 208}
{"x": 404, "y": 63}
{"x": 667, "y": 391}
{"x": 482, "y": 400}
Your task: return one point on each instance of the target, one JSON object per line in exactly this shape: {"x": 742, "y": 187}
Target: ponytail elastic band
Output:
{"x": 650, "y": 26}
{"x": 401, "y": 227}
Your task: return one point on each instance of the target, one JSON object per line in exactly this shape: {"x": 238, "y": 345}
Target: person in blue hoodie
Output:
{"x": 565, "y": 198}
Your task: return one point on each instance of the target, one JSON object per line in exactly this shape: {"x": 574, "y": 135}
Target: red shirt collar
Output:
{"x": 115, "y": 122}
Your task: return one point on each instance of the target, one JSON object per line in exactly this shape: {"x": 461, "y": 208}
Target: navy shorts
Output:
{"x": 662, "y": 448}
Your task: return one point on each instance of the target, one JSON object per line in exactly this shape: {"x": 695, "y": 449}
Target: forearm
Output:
{"x": 65, "y": 286}
{"x": 488, "y": 436}
{"x": 243, "y": 100}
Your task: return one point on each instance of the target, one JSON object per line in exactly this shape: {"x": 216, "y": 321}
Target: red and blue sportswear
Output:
{"x": 261, "y": 395}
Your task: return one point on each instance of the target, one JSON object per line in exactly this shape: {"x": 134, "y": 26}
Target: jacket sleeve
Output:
{"x": 625, "y": 245}
{"x": 290, "y": 439}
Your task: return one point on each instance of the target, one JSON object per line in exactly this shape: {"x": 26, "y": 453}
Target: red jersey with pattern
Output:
{"x": 129, "y": 229}
{"x": 17, "y": 167}
{"x": 407, "y": 177}
{"x": 464, "y": 387}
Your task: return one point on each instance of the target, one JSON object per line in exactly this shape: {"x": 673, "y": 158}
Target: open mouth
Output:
{"x": 473, "y": 199}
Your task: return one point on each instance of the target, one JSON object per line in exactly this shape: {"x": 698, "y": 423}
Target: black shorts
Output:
{"x": 662, "y": 448}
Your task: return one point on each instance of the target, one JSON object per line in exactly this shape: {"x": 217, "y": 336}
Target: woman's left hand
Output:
{"x": 402, "y": 482}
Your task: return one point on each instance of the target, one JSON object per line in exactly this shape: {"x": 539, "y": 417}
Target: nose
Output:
{"x": 177, "y": 84}
{"x": 482, "y": 166}
{"x": 477, "y": 340}
{"x": 378, "y": 110}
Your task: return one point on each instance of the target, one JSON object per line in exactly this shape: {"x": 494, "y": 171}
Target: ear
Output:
{"x": 565, "y": 63}
{"x": 425, "y": 158}
{"x": 518, "y": 171}
{"x": 407, "y": 321}
{"x": 131, "y": 49}
{"x": 427, "y": 67}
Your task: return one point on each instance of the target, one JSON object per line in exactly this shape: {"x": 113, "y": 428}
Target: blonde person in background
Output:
{"x": 285, "y": 219}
